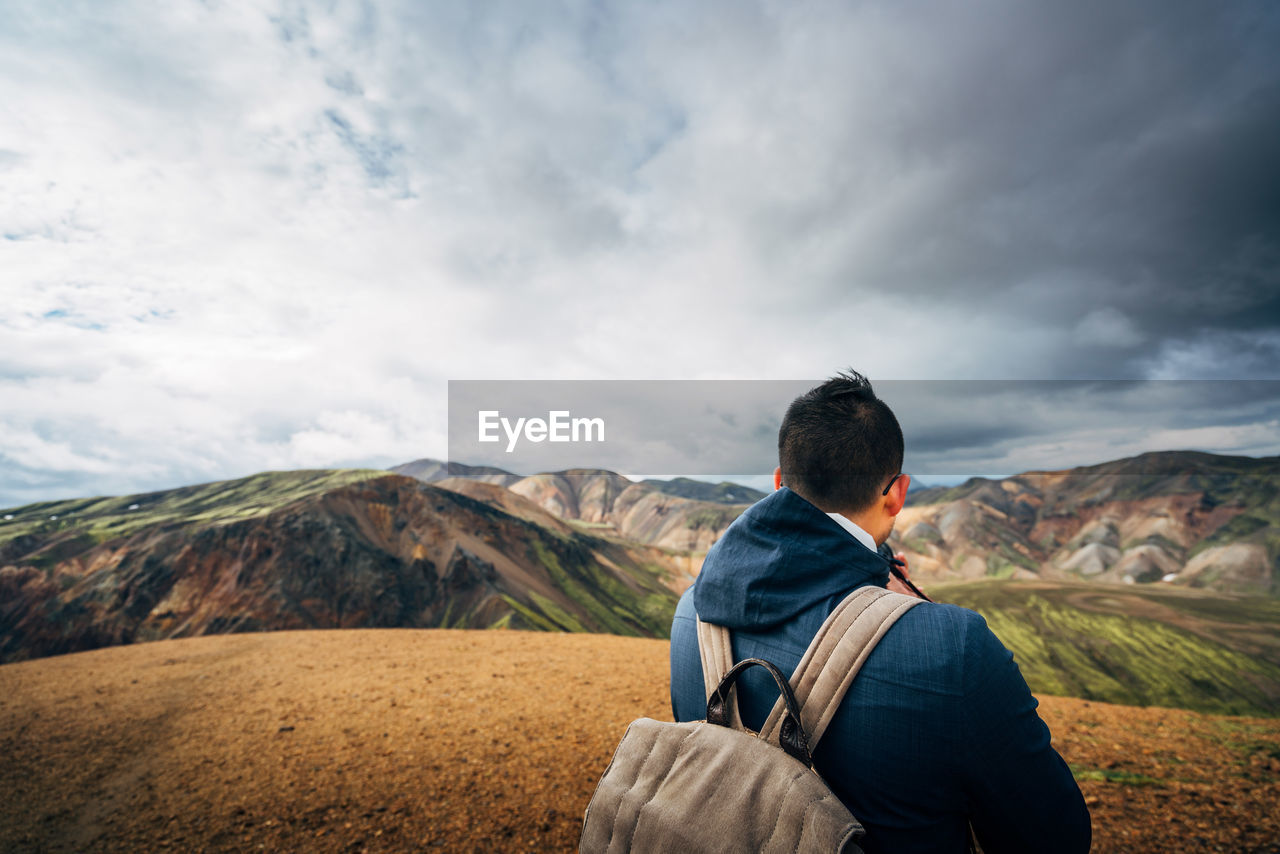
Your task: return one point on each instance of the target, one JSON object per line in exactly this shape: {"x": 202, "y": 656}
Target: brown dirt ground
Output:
{"x": 399, "y": 740}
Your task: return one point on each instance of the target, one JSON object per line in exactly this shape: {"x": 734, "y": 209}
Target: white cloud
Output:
{"x": 247, "y": 235}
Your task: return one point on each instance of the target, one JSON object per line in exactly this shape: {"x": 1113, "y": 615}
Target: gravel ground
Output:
{"x": 397, "y": 740}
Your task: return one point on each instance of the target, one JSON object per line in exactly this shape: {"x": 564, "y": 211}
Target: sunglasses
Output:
{"x": 891, "y": 483}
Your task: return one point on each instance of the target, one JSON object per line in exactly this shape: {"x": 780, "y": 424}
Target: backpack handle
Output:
{"x": 791, "y": 737}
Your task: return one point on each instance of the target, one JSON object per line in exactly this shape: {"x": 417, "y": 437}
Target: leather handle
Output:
{"x": 791, "y": 735}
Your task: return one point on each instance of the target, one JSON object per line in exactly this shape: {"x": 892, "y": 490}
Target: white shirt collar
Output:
{"x": 858, "y": 533}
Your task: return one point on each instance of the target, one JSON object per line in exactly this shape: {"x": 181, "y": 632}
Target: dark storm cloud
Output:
{"x": 1107, "y": 170}
{"x": 1009, "y": 427}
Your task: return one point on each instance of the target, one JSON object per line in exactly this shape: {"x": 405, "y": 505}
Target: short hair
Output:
{"x": 839, "y": 445}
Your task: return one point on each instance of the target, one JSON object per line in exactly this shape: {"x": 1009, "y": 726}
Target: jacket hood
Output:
{"x": 778, "y": 559}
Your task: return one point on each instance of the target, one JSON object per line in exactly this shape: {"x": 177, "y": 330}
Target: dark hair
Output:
{"x": 839, "y": 445}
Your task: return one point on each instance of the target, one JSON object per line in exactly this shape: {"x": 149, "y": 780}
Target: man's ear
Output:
{"x": 777, "y": 478}
{"x": 897, "y": 497}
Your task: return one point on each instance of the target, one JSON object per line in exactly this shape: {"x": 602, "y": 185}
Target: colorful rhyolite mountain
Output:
{"x": 682, "y": 514}
{"x": 1182, "y": 518}
{"x": 314, "y": 549}
{"x": 580, "y": 550}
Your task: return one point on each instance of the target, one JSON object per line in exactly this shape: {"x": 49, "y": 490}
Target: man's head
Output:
{"x": 839, "y": 447}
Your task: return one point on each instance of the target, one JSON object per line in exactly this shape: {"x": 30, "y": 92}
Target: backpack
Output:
{"x": 714, "y": 785}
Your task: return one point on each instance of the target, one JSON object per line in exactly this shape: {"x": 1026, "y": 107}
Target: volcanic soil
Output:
{"x": 398, "y": 740}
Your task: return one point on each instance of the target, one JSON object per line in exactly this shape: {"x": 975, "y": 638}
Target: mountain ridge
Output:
{"x": 385, "y": 550}
{"x": 669, "y": 514}
{"x": 431, "y": 470}
{"x": 1186, "y": 518}
{"x": 578, "y": 550}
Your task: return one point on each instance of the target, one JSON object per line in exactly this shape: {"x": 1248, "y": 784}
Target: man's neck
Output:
{"x": 859, "y": 533}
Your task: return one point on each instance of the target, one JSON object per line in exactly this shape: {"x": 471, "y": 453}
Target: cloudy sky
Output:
{"x": 238, "y": 236}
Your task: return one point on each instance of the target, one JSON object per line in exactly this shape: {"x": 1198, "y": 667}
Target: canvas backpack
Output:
{"x": 714, "y": 785}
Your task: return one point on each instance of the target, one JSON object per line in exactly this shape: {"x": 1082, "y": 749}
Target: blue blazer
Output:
{"x": 939, "y": 728}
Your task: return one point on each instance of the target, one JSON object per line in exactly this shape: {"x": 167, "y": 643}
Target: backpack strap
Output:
{"x": 835, "y": 656}
{"x": 715, "y": 647}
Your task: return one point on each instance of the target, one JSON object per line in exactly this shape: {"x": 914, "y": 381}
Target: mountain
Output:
{"x": 1181, "y": 517}
{"x": 632, "y": 511}
{"x": 684, "y": 516}
{"x": 429, "y": 471}
{"x": 590, "y": 550}
{"x": 1146, "y": 645}
{"x": 723, "y": 492}
{"x": 314, "y": 550}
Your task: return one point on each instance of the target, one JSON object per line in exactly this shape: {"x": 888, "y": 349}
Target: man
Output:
{"x": 939, "y": 730}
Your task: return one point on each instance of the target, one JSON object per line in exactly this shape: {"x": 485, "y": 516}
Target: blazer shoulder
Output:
{"x": 950, "y": 627}
{"x": 929, "y": 649}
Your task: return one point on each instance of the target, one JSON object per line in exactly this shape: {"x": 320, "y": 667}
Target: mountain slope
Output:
{"x": 107, "y": 518}
{"x": 1187, "y": 518}
{"x": 682, "y": 515}
{"x": 378, "y": 551}
{"x": 431, "y": 471}
{"x": 1142, "y": 645}
{"x": 724, "y": 492}
{"x": 428, "y": 470}
{"x": 632, "y": 511}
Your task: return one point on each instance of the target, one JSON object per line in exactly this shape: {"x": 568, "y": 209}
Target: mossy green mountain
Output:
{"x": 1139, "y": 646}
{"x": 334, "y": 549}
{"x": 589, "y": 551}
{"x": 107, "y": 518}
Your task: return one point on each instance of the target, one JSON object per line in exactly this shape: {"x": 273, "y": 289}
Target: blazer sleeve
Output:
{"x": 688, "y": 698}
{"x": 1022, "y": 796}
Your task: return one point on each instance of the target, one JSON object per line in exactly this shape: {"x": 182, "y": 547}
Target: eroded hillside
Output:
{"x": 1181, "y": 518}
{"x": 369, "y": 551}
{"x": 1141, "y": 645}
{"x": 681, "y": 515}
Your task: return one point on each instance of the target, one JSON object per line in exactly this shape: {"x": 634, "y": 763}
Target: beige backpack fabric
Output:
{"x": 715, "y": 786}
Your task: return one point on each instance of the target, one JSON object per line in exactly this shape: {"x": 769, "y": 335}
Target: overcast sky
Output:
{"x": 247, "y": 236}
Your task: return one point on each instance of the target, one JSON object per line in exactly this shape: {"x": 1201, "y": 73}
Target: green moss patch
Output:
{"x": 1068, "y": 650}
{"x": 1111, "y": 775}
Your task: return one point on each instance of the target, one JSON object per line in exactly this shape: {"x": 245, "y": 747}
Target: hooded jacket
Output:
{"x": 937, "y": 731}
